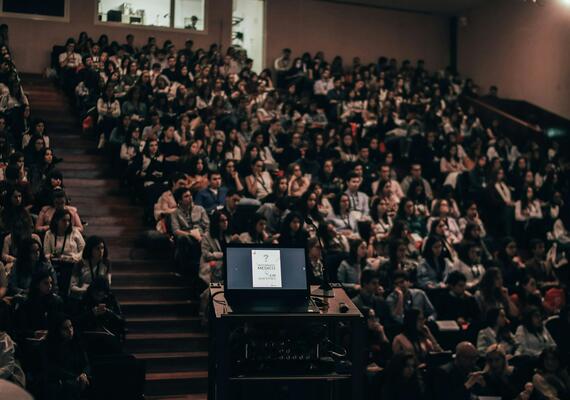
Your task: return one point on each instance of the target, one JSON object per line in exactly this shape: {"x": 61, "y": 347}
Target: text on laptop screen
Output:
{"x": 250, "y": 268}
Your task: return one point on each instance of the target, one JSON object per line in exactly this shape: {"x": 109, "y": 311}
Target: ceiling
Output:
{"x": 425, "y": 6}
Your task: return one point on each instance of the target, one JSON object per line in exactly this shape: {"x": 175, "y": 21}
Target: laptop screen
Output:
{"x": 265, "y": 268}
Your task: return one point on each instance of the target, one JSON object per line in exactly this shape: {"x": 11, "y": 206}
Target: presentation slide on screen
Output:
{"x": 266, "y": 268}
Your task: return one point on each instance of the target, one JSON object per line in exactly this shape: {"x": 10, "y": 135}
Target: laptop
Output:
{"x": 266, "y": 279}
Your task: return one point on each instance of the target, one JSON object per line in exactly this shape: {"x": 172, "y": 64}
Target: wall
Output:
{"x": 302, "y": 25}
{"x": 32, "y": 41}
{"x": 522, "y": 48}
{"x": 349, "y": 31}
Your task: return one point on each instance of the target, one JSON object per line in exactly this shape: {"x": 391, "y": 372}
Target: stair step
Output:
{"x": 126, "y": 265}
{"x": 154, "y": 308}
{"x": 148, "y": 292}
{"x": 175, "y": 361}
{"x": 164, "y": 324}
{"x": 168, "y": 383}
{"x": 166, "y": 342}
{"x": 122, "y": 278}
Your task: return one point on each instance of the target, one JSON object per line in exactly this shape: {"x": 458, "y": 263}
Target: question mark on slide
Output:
{"x": 266, "y": 256}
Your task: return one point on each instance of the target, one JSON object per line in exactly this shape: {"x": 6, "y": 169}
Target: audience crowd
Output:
{"x": 448, "y": 232}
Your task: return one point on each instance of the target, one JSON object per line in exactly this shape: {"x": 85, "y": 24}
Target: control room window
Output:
{"x": 180, "y": 14}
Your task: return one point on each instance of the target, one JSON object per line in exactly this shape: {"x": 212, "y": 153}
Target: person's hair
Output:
{"x": 37, "y": 277}
{"x": 455, "y": 277}
{"x": 487, "y": 285}
{"x": 399, "y": 274}
{"x": 399, "y": 227}
{"x": 54, "y": 328}
{"x": 335, "y": 203}
{"x": 351, "y": 175}
{"x": 374, "y": 211}
{"x": 178, "y": 193}
{"x": 252, "y": 226}
{"x": 91, "y": 243}
{"x": 367, "y": 276}
{"x": 215, "y": 223}
{"x": 213, "y": 172}
{"x": 393, "y": 247}
{"x": 527, "y": 320}
{"x": 23, "y": 264}
{"x": 464, "y": 251}
{"x": 427, "y": 253}
{"x": 381, "y": 184}
{"x": 353, "y": 252}
{"x": 502, "y": 254}
{"x": 175, "y": 177}
{"x": 58, "y": 216}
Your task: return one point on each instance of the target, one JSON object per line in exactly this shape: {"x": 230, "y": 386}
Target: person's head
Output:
{"x": 219, "y": 223}
{"x": 369, "y": 281}
{"x": 496, "y": 360}
{"x": 61, "y": 328}
{"x": 528, "y": 193}
{"x": 15, "y": 198}
{"x": 532, "y": 320}
{"x": 60, "y": 223}
{"x": 509, "y": 247}
{"x": 457, "y": 282}
{"x": 95, "y": 249}
{"x": 528, "y": 284}
{"x": 401, "y": 280}
{"x": 257, "y": 166}
{"x": 416, "y": 170}
{"x": 353, "y": 182}
{"x": 258, "y": 226}
{"x": 314, "y": 249}
{"x": 433, "y": 248}
{"x": 379, "y": 209}
{"x": 358, "y": 249}
{"x": 466, "y": 356}
{"x": 183, "y": 197}
{"x": 293, "y": 222}
{"x": 232, "y": 200}
{"x": 470, "y": 253}
{"x": 491, "y": 283}
{"x": 397, "y": 251}
{"x": 30, "y": 252}
{"x": 537, "y": 248}
{"x": 215, "y": 178}
{"x": 41, "y": 284}
{"x": 328, "y": 166}
{"x": 59, "y": 199}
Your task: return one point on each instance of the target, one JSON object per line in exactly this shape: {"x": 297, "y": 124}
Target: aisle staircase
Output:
{"x": 163, "y": 325}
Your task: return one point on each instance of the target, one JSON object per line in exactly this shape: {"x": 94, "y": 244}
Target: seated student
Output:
{"x": 496, "y": 331}
{"x": 404, "y": 298}
{"x": 500, "y": 380}
{"x": 30, "y": 261}
{"x": 540, "y": 268}
{"x": 12, "y": 242}
{"x": 99, "y": 310}
{"x": 189, "y": 223}
{"x": 442, "y": 213}
{"x": 342, "y": 218}
{"x": 492, "y": 294}
{"x": 403, "y": 380}
{"x": 166, "y": 203}
{"x": 42, "y": 304}
{"x": 416, "y": 338}
{"x": 215, "y": 195}
{"x": 510, "y": 263}
{"x": 469, "y": 263}
{"x": 257, "y": 232}
{"x": 10, "y": 369}
{"x": 292, "y": 231}
{"x": 459, "y": 378}
{"x": 551, "y": 378}
{"x": 369, "y": 297}
{"x": 213, "y": 244}
{"x": 68, "y": 365}
{"x": 527, "y": 294}
{"x": 259, "y": 184}
{"x": 532, "y": 336}
{"x": 94, "y": 263}
{"x": 397, "y": 261}
{"x": 59, "y": 202}
{"x": 359, "y": 201}
{"x": 349, "y": 270}
{"x": 457, "y": 304}
{"x": 431, "y": 269}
